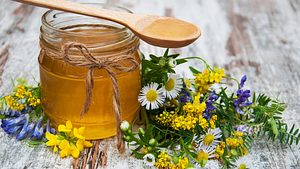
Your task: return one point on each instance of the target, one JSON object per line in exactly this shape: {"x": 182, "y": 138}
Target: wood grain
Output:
{"x": 257, "y": 38}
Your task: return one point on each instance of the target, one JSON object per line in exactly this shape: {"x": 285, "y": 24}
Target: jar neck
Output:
{"x": 102, "y": 37}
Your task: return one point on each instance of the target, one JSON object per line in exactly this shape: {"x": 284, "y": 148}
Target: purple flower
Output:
{"x": 38, "y": 131}
{"x": 11, "y": 113}
{"x": 243, "y": 80}
{"x": 242, "y": 97}
{"x": 30, "y": 128}
{"x": 49, "y": 128}
{"x": 13, "y": 121}
{"x": 242, "y": 128}
{"x": 245, "y": 129}
{"x": 209, "y": 105}
{"x": 23, "y": 133}
{"x": 11, "y": 130}
{"x": 185, "y": 96}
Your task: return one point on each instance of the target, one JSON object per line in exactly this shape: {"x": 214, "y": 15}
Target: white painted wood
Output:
{"x": 257, "y": 38}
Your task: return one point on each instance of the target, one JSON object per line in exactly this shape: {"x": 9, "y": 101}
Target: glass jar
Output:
{"x": 63, "y": 86}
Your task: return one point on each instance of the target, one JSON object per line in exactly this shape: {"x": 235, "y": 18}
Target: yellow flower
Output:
{"x": 65, "y": 148}
{"x": 200, "y": 108}
{"x": 202, "y": 157}
{"x": 64, "y": 153}
{"x": 55, "y": 149}
{"x": 187, "y": 122}
{"x": 52, "y": 139}
{"x": 33, "y": 101}
{"x": 242, "y": 166}
{"x": 182, "y": 163}
{"x": 212, "y": 121}
{"x": 80, "y": 144}
{"x": 64, "y": 144}
{"x": 163, "y": 160}
{"x": 220, "y": 149}
{"x": 234, "y": 142}
{"x": 165, "y": 118}
{"x": 239, "y": 134}
{"x": 20, "y": 93}
{"x": 79, "y": 132}
{"x": 188, "y": 107}
{"x": 74, "y": 151}
{"x": 65, "y": 128}
{"x": 203, "y": 122}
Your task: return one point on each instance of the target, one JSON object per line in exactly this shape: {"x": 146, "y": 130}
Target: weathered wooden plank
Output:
{"x": 258, "y": 38}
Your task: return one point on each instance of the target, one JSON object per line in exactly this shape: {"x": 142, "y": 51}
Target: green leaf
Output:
{"x": 292, "y": 129}
{"x": 174, "y": 56}
{"x": 166, "y": 53}
{"x": 154, "y": 58}
{"x": 194, "y": 71}
{"x": 34, "y": 143}
{"x": 150, "y": 64}
{"x": 180, "y": 61}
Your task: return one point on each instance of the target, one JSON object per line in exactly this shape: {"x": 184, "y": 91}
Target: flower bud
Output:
{"x": 149, "y": 149}
{"x": 124, "y": 126}
{"x": 162, "y": 62}
{"x": 152, "y": 142}
{"x": 172, "y": 63}
{"x": 141, "y": 131}
{"x": 127, "y": 138}
{"x": 233, "y": 152}
{"x": 189, "y": 146}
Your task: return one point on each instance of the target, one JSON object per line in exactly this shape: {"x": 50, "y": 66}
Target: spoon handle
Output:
{"x": 62, "y": 5}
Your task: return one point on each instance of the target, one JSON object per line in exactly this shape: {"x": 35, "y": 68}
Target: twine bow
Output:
{"x": 106, "y": 63}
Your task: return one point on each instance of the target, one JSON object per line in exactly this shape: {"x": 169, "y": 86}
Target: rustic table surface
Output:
{"x": 260, "y": 38}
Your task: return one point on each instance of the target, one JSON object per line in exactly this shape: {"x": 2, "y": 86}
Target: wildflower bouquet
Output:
{"x": 191, "y": 121}
{"x": 22, "y": 114}
{"x": 22, "y": 117}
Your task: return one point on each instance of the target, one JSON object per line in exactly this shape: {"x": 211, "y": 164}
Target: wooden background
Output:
{"x": 260, "y": 38}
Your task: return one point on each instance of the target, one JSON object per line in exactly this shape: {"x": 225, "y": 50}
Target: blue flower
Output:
{"x": 23, "y": 133}
{"x": 243, "y": 80}
{"x": 11, "y": 130}
{"x": 242, "y": 97}
{"x": 49, "y": 128}
{"x": 185, "y": 96}
{"x": 11, "y": 113}
{"x": 245, "y": 129}
{"x": 9, "y": 122}
{"x": 30, "y": 128}
{"x": 209, "y": 105}
{"x": 38, "y": 131}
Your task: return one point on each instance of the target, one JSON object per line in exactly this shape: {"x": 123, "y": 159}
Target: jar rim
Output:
{"x": 120, "y": 29}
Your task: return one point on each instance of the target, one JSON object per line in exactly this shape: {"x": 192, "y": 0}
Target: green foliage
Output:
{"x": 268, "y": 116}
{"x": 157, "y": 68}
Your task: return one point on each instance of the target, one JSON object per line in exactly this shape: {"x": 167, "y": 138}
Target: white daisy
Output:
{"x": 243, "y": 163}
{"x": 149, "y": 160}
{"x": 210, "y": 139}
{"x": 204, "y": 154}
{"x": 173, "y": 86}
{"x": 151, "y": 96}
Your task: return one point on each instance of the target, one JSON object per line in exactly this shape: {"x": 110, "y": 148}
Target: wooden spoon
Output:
{"x": 156, "y": 30}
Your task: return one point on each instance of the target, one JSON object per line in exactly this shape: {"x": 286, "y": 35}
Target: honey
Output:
{"x": 63, "y": 85}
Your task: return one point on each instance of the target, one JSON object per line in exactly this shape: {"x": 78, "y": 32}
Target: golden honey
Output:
{"x": 63, "y": 85}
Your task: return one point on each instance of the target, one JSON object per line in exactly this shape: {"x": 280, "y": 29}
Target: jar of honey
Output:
{"x": 63, "y": 86}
